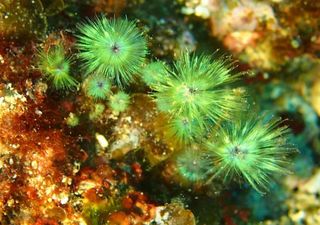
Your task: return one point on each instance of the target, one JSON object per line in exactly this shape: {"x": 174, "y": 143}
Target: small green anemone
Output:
{"x": 98, "y": 86}
{"x": 56, "y": 67}
{"x": 115, "y": 48}
{"x": 193, "y": 165}
{"x": 183, "y": 130}
{"x": 252, "y": 148}
{"x": 197, "y": 90}
{"x": 119, "y": 102}
{"x": 198, "y": 87}
{"x": 154, "y": 72}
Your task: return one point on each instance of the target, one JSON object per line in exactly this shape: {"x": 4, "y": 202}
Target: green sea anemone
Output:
{"x": 115, "y": 48}
{"x": 193, "y": 165}
{"x": 119, "y": 102}
{"x": 183, "y": 130}
{"x": 154, "y": 72}
{"x": 56, "y": 67}
{"x": 97, "y": 111}
{"x": 98, "y": 86}
{"x": 197, "y": 90}
{"x": 253, "y": 148}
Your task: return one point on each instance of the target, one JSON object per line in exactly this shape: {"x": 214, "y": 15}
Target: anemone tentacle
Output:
{"x": 119, "y": 102}
{"x": 115, "y": 48}
{"x": 98, "y": 86}
{"x": 198, "y": 89}
{"x": 253, "y": 148}
{"x": 56, "y": 67}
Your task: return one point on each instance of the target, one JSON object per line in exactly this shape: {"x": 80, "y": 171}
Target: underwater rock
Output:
{"x": 263, "y": 34}
{"x": 22, "y": 19}
{"x": 315, "y": 95}
{"x": 89, "y": 158}
{"x": 110, "y": 6}
{"x": 173, "y": 214}
{"x": 304, "y": 205}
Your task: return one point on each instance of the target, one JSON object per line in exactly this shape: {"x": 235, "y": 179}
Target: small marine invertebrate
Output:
{"x": 197, "y": 87}
{"x": 115, "y": 48}
{"x": 56, "y": 67}
{"x": 96, "y": 111}
{"x": 154, "y": 73}
{"x": 252, "y": 148}
{"x": 193, "y": 165}
{"x": 182, "y": 130}
{"x": 98, "y": 86}
{"x": 72, "y": 120}
{"x": 119, "y": 102}
{"x": 197, "y": 90}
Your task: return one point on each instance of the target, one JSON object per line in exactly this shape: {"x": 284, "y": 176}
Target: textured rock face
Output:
{"x": 69, "y": 158}
{"x": 263, "y": 34}
{"x": 22, "y": 19}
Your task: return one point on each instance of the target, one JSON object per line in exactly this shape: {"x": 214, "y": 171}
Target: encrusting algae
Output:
{"x": 124, "y": 112}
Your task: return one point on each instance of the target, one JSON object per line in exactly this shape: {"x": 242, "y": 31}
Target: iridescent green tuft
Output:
{"x": 182, "y": 130}
{"x": 198, "y": 89}
{"x": 193, "y": 165}
{"x": 154, "y": 72}
{"x": 119, "y": 102}
{"x": 56, "y": 67}
{"x": 253, "y": 148}
{"x": 98, "y": 86}
{"x": 115, "y": 48}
